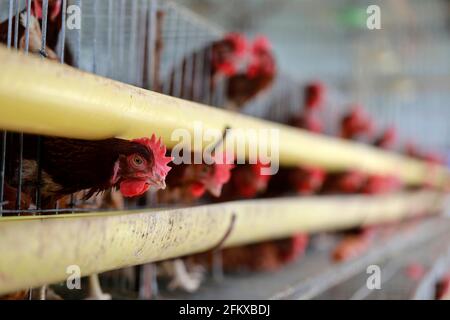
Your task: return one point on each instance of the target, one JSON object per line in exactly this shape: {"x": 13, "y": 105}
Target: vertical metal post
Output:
{"x": 142, "y": 43}
{"x": 94, "y": 38}
{"x": 121, "y": 35}
{"x": 199, "y": 72}
{"x": 208, "y": 80}
{"x": 44, "y": 27}
{"x": 27, "y": 29}
{"x": 178, "y": 61}
{"x": 151, "y": 40}
{"x": 63, "y": 30}
{"x": 77, "y": 59}
{"x": 10, "y": 16}
{"x": 132, "y": 61}
{"x": 16, "y": 26}
{"x": 110, "y": 38}
{"x": 188, "y": 78}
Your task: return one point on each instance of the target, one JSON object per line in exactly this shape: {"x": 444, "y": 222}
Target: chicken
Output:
{"x": 189, "y": 182}
{"x": 35, "y": 33}
{"x": 302, "y": 180}
{"x": 314, "y": 94}
{"x": 247, "y": 181}
{"x": 71, "y": 165}
{"x": 348, "y": 182}
{"x": 54, "y": 24}
{"x": 219, "y": 59}
{"x": 258, "y": 77}
{"x": 356, "y": 123}
{"x": 387, "y": 139}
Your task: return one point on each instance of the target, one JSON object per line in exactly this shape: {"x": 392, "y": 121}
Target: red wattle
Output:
{"x": 197, "y": 190}
{"x": 133, "y": 188}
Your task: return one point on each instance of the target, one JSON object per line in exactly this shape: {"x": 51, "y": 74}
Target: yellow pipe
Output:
{"x": 37, "y": 250}
{"x": 43, "y": 97}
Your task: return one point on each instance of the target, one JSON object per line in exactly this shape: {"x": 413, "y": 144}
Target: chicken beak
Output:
{"x": 157, "y": 184}
{"x": 214, "y": 189}
{"x": 161, "y": 184}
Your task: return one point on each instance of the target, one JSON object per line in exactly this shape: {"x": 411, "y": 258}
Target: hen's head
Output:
{"x": 54, "y": 8}
{"x": 209, "y": 177}
{"x": 351, "y": 182}
{"x": 381, "y": 184}
{"x": 314, "y": 95}
{"x": 387, "y": 138}
{"x": 248, "y": 180}
{"x": 307, "y": 180}
{"x": 142, "y": 167}
{"x": 356, "y": 123}
{"x": 262, "y": 61}
{"x": 227, "y": 52}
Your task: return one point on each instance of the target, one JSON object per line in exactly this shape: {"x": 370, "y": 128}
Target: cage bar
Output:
{"x": 114, "y": 240}
{"x": 112, "y": 109}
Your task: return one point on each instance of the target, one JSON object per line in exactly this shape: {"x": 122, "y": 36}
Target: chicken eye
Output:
{"x": 138, "y": 161}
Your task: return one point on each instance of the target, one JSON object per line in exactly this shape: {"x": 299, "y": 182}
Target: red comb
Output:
{"x": 261, "y": 44}
{"x": 228, "y": 68}
{"x": 54, "y": 9}
{"x": 159, "y": 153}
{"x": 37, "y": 9}
{"x": 239, "y": 42}
{"x": 388, "y": 138}
{"x": 314, "y": 95}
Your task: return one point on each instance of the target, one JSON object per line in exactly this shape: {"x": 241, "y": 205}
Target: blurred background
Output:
{"x": 400, "y": 73}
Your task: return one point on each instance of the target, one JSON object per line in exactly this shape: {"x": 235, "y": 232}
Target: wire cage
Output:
{"x": 151, "y": 44}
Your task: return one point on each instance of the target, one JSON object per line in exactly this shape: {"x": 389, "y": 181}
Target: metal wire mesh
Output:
{"x": 149, "y": 43}
{"x": 161, "y": 46}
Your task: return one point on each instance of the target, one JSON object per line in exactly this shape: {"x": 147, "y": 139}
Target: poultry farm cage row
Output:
{"x": 162, "y": 47}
